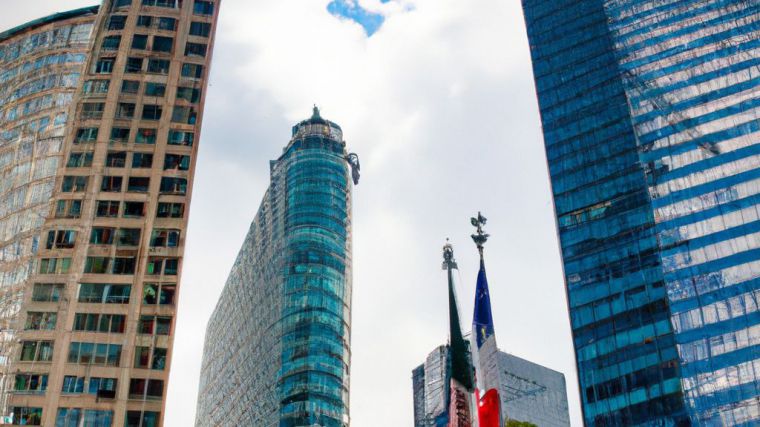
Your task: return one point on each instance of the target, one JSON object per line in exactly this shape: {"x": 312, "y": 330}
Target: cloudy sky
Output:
{"x": 439, "y": 103}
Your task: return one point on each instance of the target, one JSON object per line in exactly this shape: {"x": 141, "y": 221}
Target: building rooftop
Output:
{"x": 5, "y": 35}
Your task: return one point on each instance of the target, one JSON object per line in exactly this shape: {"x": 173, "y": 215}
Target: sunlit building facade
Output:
{"x": 100, "y": 112}
{"x": 650, "y": 121}
{"x": 277, "y": 348}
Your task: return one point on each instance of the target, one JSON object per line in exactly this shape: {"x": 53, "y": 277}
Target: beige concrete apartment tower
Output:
{"x": 93, "y": 336}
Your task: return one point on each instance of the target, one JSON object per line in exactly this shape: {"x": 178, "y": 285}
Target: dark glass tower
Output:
{"x": 650, "y": 120}
{"x": 277, "y": 350}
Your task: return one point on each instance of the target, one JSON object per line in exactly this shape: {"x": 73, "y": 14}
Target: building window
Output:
{"x": 134, "y": 65}
{"x": 178, "y": 137}
{"x": 195, "y": 49}
{"x": 121, "y": 3}
{"x": 159, "y": 3}
{"x": 72, "y": 384}
{"x": 111, "y": 42}
{"x": 164, "y": 238}
{"x": 61, "y": 239}
{"x": 102, "y": 388}
{"x": 145, "y": 389}
{"x": 116, "y": 22}
{"x": 201, "y": 29}
{"x": 170, "y": 210}
{"x": 85, "y": 353}
{"x": 162, "y": 44}
{"x": 168, "y": 24}
{"x": 167, "y": 266}
{"x": 176, "y": 162}
{"x": 151, "y": 112}
{"x": 26, "y": 416}
{"x": 36, "y": 351}
{"x": 102, "y": 235}
{"x": 92, "y": 87}
{"x": 193, "y": 71}
{"x": 139, "y": 41}
{"x": 184, "y": 115}
{"x": 142, "y": 419}
{"x": 111, "y": 184}
{"x": 97, "y": 265}
{"x": 203, "y": 8}
{"x": 142, "y": 160}
{"x": 144, "y": 21}
{"x": 134, "y": 209}
{"x": 171, "y": 185}
{"x": 86, "y": 134}
{"x": 145, "y": 136}
{"x": 154, "y": 325}
{"x": 30, "y": 383}
{"x": 104, "y": 65}
{"x": 189, "y": 94}
{"x": 138, "y": 184}
{"x": 104, "y": 293}
{"x": 125, "y": 110}
{"x": 68, "y": 208}
{"x": 116, "y": 159}
{"x": 47, "y": 292}
{"x": 159, "y": 293}
{"x": 158, "y": 66}
{"x": 128, "y": 237}
{"x": 79, "y": 160}
{"x": 97, "y": 322}
{"x": 143, "y": 359}
{"x": 74, "y": 184}
{"x": 120, "y": 135}
{"x": 155, "y": 89}
{"x": 92, "y": 110}
{"x": 107, "y": 209}
{"x": 40, "y": 321}
{"x": 130, "y": 86}
{"x": 55, "y": 265}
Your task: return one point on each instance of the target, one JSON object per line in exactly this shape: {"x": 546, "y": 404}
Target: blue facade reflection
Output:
{"x": 650, "y": 119}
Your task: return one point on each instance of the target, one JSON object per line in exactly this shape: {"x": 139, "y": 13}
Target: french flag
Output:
{"x": 485, "y": 355}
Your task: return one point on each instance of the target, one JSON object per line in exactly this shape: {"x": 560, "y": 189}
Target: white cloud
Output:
{"x": 440, "y": 105}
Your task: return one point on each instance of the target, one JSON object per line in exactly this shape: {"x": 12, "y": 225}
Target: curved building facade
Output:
{"x": 40, "y": 67}
{"x": 101, "y": 116}
{"x": 277, "y": 350}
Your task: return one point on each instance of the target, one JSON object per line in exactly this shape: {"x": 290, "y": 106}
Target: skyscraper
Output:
{"x": 650, "y": 120}
{"x": 101, "y": 111}
{"x": 277, "y": 349}
{"x": 529, "y": 392}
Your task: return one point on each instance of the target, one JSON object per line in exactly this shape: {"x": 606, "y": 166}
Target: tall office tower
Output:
{"x": 94, "y": 323}
{"x": 650, "y": 120}
{"x": 40, "y": 65}
{"x": 277, "y": 349}
{"x": 529, "y": 392}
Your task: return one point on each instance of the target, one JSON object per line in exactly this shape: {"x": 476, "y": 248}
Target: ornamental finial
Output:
{"x": 480, "y": 237}
{"x": 448, "y": 257}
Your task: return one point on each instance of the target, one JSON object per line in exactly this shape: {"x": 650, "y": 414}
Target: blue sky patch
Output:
{"x": 350, "y": 9}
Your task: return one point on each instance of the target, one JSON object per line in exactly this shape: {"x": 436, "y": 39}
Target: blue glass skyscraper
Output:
{"x": 650, "y": 115}
{"x": 277, "y": 349}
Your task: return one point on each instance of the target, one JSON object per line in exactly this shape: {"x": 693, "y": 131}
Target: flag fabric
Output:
{"x": 482, "y": 318}
{"x": 489, "y": 413}
{"x": 461, "y": 369}
{"x": 485, "y": 354}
